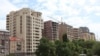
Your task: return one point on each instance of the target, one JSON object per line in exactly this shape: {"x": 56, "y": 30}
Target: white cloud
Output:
{"x": 23, "y": 6}
{"x": 59, "y": 5}
{"x": 92, "y": 1}
{"x": 40, "y": 1}
{"x": 19, "y": 1}
{"x": 95, "y": 27}
{"x": 91, "y": 8}
{"x": 2, "y": 24}
{"x": 6, "y": 7}
{"x": 81, "y": 2}
{"x": 78, "y": 21}
{"x": 97, "y": 14}
{"x": 16, "y": 1}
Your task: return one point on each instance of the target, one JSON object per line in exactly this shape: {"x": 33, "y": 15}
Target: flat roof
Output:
{"x": 4, "y": 30}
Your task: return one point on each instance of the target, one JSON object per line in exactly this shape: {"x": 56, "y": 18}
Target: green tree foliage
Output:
{"x": 62, "y": 49}
{"x": 45, "y": 48}
{"x": 67, "y": 48}
{"x": 96, "y": 49}
{"x": 65, "y": 38}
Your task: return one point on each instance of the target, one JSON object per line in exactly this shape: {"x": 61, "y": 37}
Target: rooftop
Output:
{"x": 4, "y": 30}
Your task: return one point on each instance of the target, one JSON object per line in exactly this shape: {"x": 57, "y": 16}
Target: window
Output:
{"x": 20, "y": 24}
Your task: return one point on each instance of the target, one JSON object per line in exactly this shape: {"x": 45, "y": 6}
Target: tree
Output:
{"x": 67, "y": 48}
{"x": 62, "y": 49}
{"x": 42, "y": 48}
{"x": 65, "y": 38}
{"x": 52, "y": 49}
{"x": 45, "y": 48}
{"x": 96, "y": 49}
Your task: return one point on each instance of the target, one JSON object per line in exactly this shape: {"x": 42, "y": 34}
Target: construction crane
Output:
{"x": 56, "y": 19}
{"x": 59, "y": 22}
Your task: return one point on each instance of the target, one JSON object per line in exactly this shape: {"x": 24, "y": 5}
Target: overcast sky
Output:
{"x": 74, "y": 12}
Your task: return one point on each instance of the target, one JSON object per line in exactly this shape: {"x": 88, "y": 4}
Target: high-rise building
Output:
{"x": 26, "y": 25}
{"x": 50, "y": 30}
{"x": 83, "y": 33}
{"x": 4, "y": 42}
{"x": 84, "y": 29}
{"x": 76, "y": 33}
{"x": 85, "y": 36}
{"x": 65, "y": 29}
{"x": 92, "y": 36}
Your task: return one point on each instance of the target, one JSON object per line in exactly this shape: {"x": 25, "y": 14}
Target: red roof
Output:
{"x": 13, "y": 39}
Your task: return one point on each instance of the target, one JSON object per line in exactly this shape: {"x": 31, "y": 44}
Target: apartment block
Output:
{"x": 50, "y": 30}
{"x": 85, "y": 36}
{"x": 4, "y": 42}
{"x": 76, "y": 33}
{"x": 54, "y": 31}
{"x": 84, "y": 29}
{"x": 26, "y": 25}
{"x": 92, "y": 36}
{"x": 83, "y": 33}
{"x": 65, "y": 29}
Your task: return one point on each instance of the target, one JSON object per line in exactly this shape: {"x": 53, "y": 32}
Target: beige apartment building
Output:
{"x": 86, "y": 34}
{"x": 76, "y": 33}
{"x": 92, "y": 36}
{"x": 25, "y": 25}
{"x": 83, "y": 33}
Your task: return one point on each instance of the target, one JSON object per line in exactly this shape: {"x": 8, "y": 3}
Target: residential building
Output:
{"x": 4, "y": 42}
{"x": 25, "y": 25}
{"x": 50, "y": 30}
{"x": 84, "y": 29}
{"x": 84, "y": 33}
{"x": 65, "y": 29}
{"x": 85, "y": 36}
{"x": 76, "y": 33}
{"x": 92, "y": 36}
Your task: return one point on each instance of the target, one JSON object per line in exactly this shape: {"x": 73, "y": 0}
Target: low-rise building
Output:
{"x": 4, "y": 42}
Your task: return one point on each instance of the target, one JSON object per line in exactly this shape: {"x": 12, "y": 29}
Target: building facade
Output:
{"x": 4, "y": 42}
{"x": 65, "y": 29}
{"x": 50, "y": 30}
{"x": 26, "y": 25}
{"x": 76, "y": 33}
{"x": 86, "y": 34}
{"x": 83, "y": 33}
{"x": 92, "y": 36}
